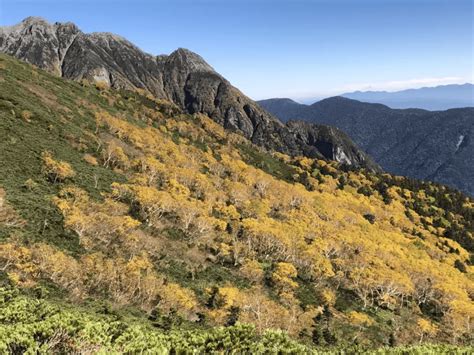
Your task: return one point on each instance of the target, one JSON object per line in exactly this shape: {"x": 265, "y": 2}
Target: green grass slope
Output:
{"x": 127, "y": 226}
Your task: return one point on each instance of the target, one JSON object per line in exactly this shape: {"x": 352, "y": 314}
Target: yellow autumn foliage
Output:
{"x": 56, "y": 170}
{"x": 190, "y": 202}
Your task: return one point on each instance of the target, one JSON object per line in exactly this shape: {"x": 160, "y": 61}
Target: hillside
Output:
{"x": 436, "y": 98}
{"x": 182, "y": 77}
{"x": 117, "y": 206}
{"x": 436, "y": 146}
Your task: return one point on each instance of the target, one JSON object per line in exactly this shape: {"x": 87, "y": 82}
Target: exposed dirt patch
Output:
{"x": 45, "y": 96}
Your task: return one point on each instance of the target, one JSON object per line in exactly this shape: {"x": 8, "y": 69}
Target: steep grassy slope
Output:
{"x": 142, "y": 214}
{"x": 182, "y": 77}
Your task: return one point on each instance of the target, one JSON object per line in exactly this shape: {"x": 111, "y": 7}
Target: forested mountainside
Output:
{"x": 429, "y": 145}
{"x": 129, "y": 225}
{"x": 183, "y": 77}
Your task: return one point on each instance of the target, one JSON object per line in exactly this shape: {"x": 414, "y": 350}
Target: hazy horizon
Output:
{"x": 310, "y": 100}
{"x": 301, "y": 50}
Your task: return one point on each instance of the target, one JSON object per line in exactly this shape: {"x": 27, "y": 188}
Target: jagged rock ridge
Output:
{"x": 182, "y": 77}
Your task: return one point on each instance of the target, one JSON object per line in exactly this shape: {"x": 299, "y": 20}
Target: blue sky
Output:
{"x": 294, "y": 48}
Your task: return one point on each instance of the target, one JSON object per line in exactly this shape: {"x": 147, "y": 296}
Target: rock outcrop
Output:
{"x": 331, "y": 141}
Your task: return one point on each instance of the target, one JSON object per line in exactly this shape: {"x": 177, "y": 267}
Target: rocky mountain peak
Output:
{"x": 34, "y": 21}
{"x": 184, "y": 58}
{"x": 28, "y": 25}
{"x": 39, "y": 42}
{"x": 183, "y": 77}
{"x": 67, "y": 24}
{"x": 108, "y": 37}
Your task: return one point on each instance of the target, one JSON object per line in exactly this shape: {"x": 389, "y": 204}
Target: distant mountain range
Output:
{"x": 182, "y": 77}
{"x": 436, "y": 146}
{"x": 429, "y": 98}
{"x": 435, "y": 98}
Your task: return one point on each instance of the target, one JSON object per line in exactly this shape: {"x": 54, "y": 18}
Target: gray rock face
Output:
{"x": 430, "y": 145}
{"x": 37, "y": 42}
{"x": 323, "y": 138}
{"x": 182, "y": 77}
